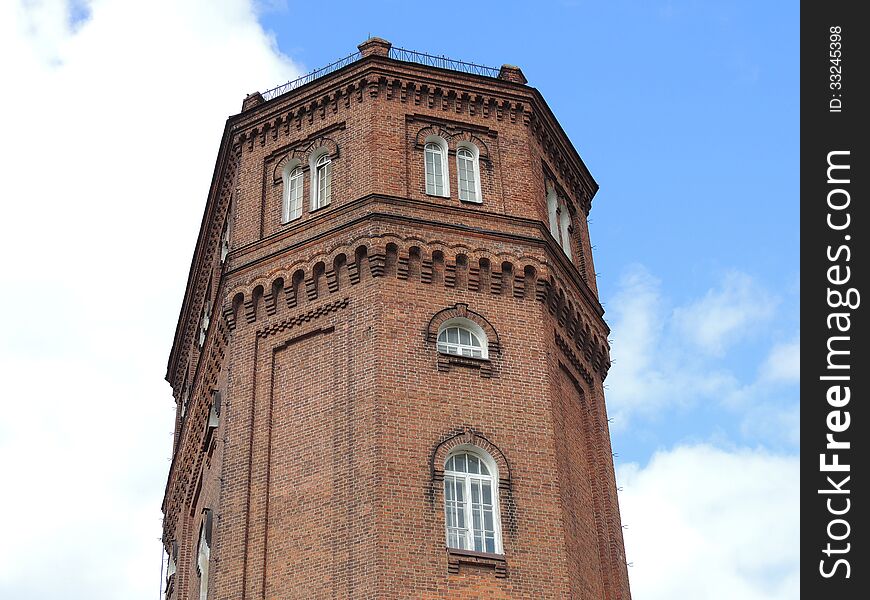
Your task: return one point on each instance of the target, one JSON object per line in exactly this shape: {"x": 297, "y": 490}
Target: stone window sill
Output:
{"x": 457, "y": 557}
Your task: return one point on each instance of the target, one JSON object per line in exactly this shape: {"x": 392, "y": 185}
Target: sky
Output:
{"x": 686, "y": 113}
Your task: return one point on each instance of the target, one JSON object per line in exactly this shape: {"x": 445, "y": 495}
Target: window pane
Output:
{"x": 460, "y": 342}
{"x": 434, "y": 177}
{"x": 486, "y": 492}
{"x": 430, "y": 174}
{"x": 459, "y": 461}
{"x": 456, "y": 539}
{"x": 478, "y": 543}
{"x": 467, "y": 183}
{"x": 473, "y": 465}
{"x": 552, "y": 212}
{"x": 450, "y": 516}
{"x": 454, "y": 511}
{"x": 490, "y": 545}
{"x": 295, "y": 195}
{"x": 324, "y": 181}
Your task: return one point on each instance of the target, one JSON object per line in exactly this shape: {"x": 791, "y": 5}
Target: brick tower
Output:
{"x": 389, "y": 358}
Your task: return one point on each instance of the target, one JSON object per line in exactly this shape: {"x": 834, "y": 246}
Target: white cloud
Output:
{"x": 113, "y": 125}
{"x": 710, "y": 524}
{"x": 770, "y": 405}
{"x": 658, "y": 368}
{"x": 650, "y": 372}
{"x": 726, "y": 314}
{"x": 783, "y": 363}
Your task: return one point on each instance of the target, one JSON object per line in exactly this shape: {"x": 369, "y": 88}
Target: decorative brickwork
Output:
{"x": 322, "y": 474}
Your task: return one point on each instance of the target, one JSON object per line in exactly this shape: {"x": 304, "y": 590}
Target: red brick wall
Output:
{"x": 321, "y": 477}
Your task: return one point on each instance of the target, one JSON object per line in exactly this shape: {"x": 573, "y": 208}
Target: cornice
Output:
{"x": 449, "y": 91}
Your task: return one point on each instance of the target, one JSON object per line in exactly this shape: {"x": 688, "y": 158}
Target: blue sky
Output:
{"x": 687, "y": 115}
{"x": 686, "y": 112}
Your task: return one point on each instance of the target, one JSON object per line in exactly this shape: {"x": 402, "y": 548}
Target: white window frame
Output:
{"x": 466, "y": 480}
{"x": 475, "y": 170}
{"x": 225, "y": 241}
{"x": 560, "y": 220}
{"x": 291, "y": 200}
{"x": 553, "y": 212}
{"x": 564, "y": 226}
{"x": 204, "y": 323}
{"x": 203, "y": 558}
{"x": 320, "y": 162}
{"x": 471, "y": 327}
{"x": 445, "y": 171}
{"x": 171, "y": 568}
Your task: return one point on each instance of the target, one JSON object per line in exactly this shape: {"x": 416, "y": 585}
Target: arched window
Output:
{"x": 560, "y": 220}
{"x": 435, "y": 164}
{"x": 203, "y": 554}
{"x": 292, "y": 203}
{"x": 467, "y": 164}
{"x": 564, "y": 224}
{"x": 471, "y": 501}
{"x": 462, "y": 337}
{"x": 321, "y": 182}
{"x": 553, "y": 212}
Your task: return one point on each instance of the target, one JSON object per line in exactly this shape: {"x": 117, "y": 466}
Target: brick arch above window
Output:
{"x": 430, "y": 132}
{"x": 321, "y": 145}
{"x": 454, "y": 138}
{"x": 462, "y": 311}
{"x": 469, "y": 437}
{"x": 466, "y": 138}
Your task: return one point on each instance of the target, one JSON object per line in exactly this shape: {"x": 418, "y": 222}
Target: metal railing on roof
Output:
{"x": 402, "y": 54}
{"x": 442, "y": 62}
{"x": 309, "y": 77}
